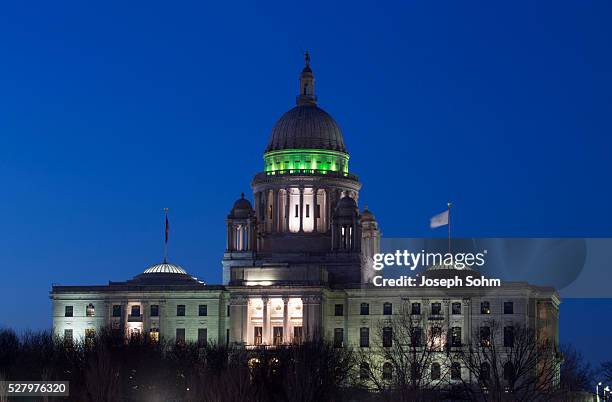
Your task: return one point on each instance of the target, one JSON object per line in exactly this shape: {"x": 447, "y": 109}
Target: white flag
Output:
{"x": 439, "y": 220}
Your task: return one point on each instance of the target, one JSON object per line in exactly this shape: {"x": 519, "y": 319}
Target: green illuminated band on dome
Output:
{"x": 319, "y": 160}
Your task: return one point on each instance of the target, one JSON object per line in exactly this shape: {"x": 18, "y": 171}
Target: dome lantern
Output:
{"x": 307, "y": 95}
{"x": 306, "y": 139}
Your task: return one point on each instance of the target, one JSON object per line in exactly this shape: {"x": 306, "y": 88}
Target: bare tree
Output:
{"x": 102, "y": 375}
{"x": 510, "y": 363}
{"x": 606, "y": 371}
{"x": 406, "y": 361}
{"x": 576, "y": 374}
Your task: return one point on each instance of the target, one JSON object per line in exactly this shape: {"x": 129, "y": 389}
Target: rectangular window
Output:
{"x": 297, "y": 334}
{"x": 154, "y": 334}
{"x": 338, "y": 337}
{"x": 227, "y": 337}
{"x": 365, "y": 309}
{"x": 485, "y": 307}
{"x": 258, "y": 336}
{"x": 416, "y": 308}
{"x": 508, "y": 337}
{"x": 154, "y": 310}
{"x": 364, "y": 337}
{"x": 308, "y": 210}
{"x": 180, "y": 335}
{"x": 508, "y": 307}
{"x": 436, "y": 308}
{"x": 455, "y": 371}
{"x": 90, "y": 334}
{"x": 89, "y": 310}
{"x": 180, "y": 310}
{"x": 68, "y": 338}
{"x": 297, "y": 211}
{"x": 203, "y": 310}
{"x": 136, "y": 311}
{"x": 456, "y": 308}
{"x": 387, "y": 337}
{"x": 277, "y": 333}
{"x": 202, "y": 336}
{"x": 416, "y": 335}
{"x": 339, "y": 310}
{"x": 436, "y": 337}
{"x": 318, "y": 211}
{"x": 387, "y": 308}
{"x": 485, "y": 336}
{"x": 456, "y": 336}
{"x": 68, "y": 311}
{"x": 116, "y": 310}
{"x": 228, "y": 310}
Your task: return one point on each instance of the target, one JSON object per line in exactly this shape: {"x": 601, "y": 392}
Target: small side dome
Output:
{"x": 367, "y": 216}
{"x": 346, "y": 207}
{"x": 165, "y": 268}
{"x": 242, "y": 208}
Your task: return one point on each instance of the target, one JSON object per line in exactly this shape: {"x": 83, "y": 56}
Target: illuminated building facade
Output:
{"x": 296, "y": 265}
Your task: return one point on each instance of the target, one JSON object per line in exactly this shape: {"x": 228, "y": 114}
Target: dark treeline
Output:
{"x": 110, "y": 368}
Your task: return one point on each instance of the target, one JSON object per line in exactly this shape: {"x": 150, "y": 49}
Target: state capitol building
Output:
{"x": 297, "y": 264}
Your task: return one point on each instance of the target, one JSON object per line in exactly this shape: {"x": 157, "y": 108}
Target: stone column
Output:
{"x": 287, "y": 202}
{"x": 275, "y": 211}
{"x": 265, "y": 210}
{"x": 316, "y": 317}
{"x": 301, "y": 209}
{"x": 145, "y": 313}
{"x": 244, "y": 307}
{"x": 315, "y": 202}
{"x": 286, "y": 336}
{"x": 447, "y": 312}
{"x": 327, "y": 211}
{"x": 466, "y": 334}
{"x": 305, "y": 317}
{"x": 425, "y": 312}
{"x": 265, "y": 320}
{"x": 124, "y": 320}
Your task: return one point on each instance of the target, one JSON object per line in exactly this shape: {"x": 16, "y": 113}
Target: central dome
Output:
{"x": 306, "y": 126}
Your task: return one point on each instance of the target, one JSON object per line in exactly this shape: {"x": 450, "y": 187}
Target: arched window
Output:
{"x": 509, "y": 372}
{"x": 485, "y": 372}
{"x": 387, "y": 371}
{"x": 455, "y": 371}
{"x": 435, "y": 371}
{"x": 90, "y": 310}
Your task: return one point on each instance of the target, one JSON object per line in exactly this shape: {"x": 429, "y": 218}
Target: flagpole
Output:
{"x": 166, "y": 237}
{"x": 449, "y": 226}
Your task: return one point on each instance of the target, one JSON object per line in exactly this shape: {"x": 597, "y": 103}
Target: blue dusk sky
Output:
{"x": 110, "y": 112}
